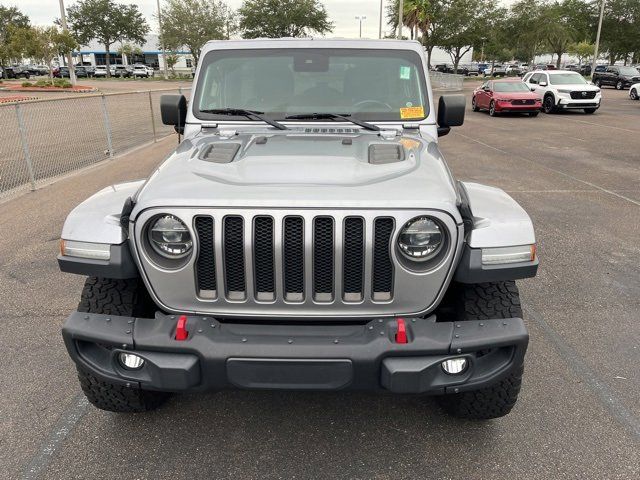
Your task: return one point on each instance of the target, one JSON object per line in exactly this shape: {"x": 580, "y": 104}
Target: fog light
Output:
{"x": 131, "y": 361}
{"x": 455, "y": 366}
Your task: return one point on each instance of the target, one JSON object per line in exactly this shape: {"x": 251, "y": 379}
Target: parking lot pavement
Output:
{"x": 578, "y": 177}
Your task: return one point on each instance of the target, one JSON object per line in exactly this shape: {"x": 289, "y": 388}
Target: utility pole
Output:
{"x": 400, "y": 19}
{"x": 482, "y": 51}
{"x": 164, "y": 52}
{"x": 63, "y": 21}
{"x": 360, "y": 18}
{"x": 595, "y": 52}
{"x": 380, "y": 27}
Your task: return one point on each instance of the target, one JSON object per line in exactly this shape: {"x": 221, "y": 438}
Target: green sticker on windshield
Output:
{"x": 405, "y": 73}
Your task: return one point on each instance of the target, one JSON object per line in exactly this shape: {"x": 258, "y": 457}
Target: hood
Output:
{"x": 302, "y": 168}
{"x": 517, "y": 95}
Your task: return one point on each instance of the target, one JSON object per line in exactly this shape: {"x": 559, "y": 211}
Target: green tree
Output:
{"x": 283, "y": 18}
{"x": 191, "y": 23}
{"x": 621, "y": 30}
{"x": 107, "y": 22}
{"x": 11, "y": 20}
{"x": 522, "y": 30}
{"x": 583, "y": 50}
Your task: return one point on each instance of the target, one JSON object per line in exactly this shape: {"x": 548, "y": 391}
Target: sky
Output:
{"x": 341, "y": 12}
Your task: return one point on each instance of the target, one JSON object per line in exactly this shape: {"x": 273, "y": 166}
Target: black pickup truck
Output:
{"x": 616, "y": 76}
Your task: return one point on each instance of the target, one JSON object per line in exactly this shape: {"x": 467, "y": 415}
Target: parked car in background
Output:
{"x": 140, "y": 70}
{"x": 497, "y": 96}
{"x": 473, "y": 70}
{"x": 63, "y": 72}
{"x": 564, "y": 90}
{"x": 16, "y": 71}
{"x": 600, "y": 68}
{"x": 150, "y": 71}
{"x": 37, "y": 70}
{"x": 100, "y": 71}
{"x": 585, "y": 70}
{"x": 617, "y": 76}
{"x": 572, "y": 67}
{"x": 496, "y": 70}
{"x": 513, "y": 70}
{"x": 634, "y": 91}
{"x": 443, "y": 68}
{"x": 121, "y": 71}
{"x": 482, "y": 67}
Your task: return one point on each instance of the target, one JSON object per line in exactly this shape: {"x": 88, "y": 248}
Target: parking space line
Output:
{"x": 559, "y": 172}
{"x": 606, "y": 396}
{"x": 56, "y": 438}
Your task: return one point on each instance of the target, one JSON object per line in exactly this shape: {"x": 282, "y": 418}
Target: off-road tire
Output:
{"x": 117, "y": 297}
{"x": 484, "y": 301}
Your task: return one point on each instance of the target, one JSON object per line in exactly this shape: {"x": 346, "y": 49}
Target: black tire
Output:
{"x": 634, "y": 94}
{"x": 590, "y": 110}
{"x": 492, "y": 109}
{"x": 597, "y": 83}
{"x": 619, "y": 85}
{"x": 474, "y": 107}
{"x": 126, "y": 298}
{"x": 533, "y": 114}
{"x": 549, "y": 104}
{"x": 485, "y": 301}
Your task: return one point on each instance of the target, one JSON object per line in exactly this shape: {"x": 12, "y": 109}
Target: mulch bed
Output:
{"x": 76, "y": 89}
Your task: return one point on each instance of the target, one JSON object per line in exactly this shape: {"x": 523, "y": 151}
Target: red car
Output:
{"x": 499, "y": 96}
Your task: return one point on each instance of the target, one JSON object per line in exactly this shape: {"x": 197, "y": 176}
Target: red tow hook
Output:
{"x": 401, "y": 335}
{"x": 181, "y": 329}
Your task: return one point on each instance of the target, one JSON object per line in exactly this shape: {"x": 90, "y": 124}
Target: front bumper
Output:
{"x": 314, "y": 356}
{"x": 570, "y": 103}
{"x": 511, "y": 107}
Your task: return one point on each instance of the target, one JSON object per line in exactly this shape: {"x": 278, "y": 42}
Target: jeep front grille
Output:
{"x": 322, "y": 249}
{"x": 295, "y": 263}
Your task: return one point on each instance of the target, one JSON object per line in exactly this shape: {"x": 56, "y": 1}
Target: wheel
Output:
{"x": 597, "y": 83}
{"x": 590, "y": 110}
{"x": 634, "y": 94}
{"x": 549, "y": 104}
{"x": 485, "y": 301}
{"x": 619, "y": 85}
{"x": 474, "y": 107}
{"x": 533, "y": 114}
{"x": 492, "y": 109}
{"x": 117, "y": 297}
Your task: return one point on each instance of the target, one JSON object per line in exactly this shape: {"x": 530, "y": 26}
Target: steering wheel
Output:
{"x": 374, "y": 102}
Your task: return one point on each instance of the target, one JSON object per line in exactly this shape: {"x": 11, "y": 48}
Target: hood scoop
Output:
{"x": 219, "y": 152}
{"x": 383, "y": 153}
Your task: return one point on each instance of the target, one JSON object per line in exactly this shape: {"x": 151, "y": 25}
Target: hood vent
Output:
{"x": 382, "y": 153}
{"x": 220, "y": 152}
{"x": 330, "y": 130}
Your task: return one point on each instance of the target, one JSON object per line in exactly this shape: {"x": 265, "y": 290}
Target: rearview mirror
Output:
{"x": 450, "y": 113}
{"x": 173, "y": 110}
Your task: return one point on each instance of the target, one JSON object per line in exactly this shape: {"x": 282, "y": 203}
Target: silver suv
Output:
{"x": 306, "y": 234}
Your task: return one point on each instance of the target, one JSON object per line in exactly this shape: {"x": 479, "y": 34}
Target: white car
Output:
{"x": 634, "y": 91}
{"x": 141, "y": 71}
{"x": 101, "y": 71}
{"x": 564, "y": 90}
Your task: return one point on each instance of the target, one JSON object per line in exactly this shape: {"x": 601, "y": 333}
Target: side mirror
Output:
{"x": 450, "y": 113}
{"x": 543, "y": 84}
{"x": 533, "y": 89}
{"x": 173, "y": 110}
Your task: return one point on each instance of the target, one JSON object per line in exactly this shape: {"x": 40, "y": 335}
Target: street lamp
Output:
{"x": 595, "y": 51}
{"x": 63, "y": 21}
{"x": 482, "y": 51}
{"x": 361, "y": 18}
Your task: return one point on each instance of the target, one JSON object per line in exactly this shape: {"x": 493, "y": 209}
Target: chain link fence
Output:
{"x": 44, "y": 139}
{"x": 446, "y": 81}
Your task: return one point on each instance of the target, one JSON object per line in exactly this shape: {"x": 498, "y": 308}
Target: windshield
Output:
{"x": 566, "y": 79}
{"x": 510, "y": 87}
{"x": 628, "y": 71}
{"x": 385, "y": 85}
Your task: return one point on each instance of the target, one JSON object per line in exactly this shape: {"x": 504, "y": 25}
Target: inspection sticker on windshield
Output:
{"x": 405, "y": 73}
{"x": 412, "y": 112}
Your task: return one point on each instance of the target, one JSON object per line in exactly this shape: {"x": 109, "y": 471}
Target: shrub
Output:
{"x": 66, "y": 84}
{"x": 27, "y": 84}
{"x": 43, "y": 83}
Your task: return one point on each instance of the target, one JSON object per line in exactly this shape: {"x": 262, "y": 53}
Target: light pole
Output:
{"x": 595, "y": 51}
{"x": 164, "y": 52}
{"x": 361, "y": 18}
{"x": 63, "y": 21}
{"x": 482, "y": 51}
{"x": 400, "y": 19}
{"x": 380, "y": 26}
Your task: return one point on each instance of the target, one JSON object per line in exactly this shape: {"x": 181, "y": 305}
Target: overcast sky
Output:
{"x": 341, "y": 12}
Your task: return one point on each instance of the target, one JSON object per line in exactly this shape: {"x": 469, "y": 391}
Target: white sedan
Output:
{"x": 634, "y": 91}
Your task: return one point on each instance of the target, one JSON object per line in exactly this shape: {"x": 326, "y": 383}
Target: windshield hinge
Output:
{"x": 411, "y": 126}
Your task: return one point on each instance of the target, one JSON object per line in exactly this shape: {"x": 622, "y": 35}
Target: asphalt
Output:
{"x": 578, "y": 416}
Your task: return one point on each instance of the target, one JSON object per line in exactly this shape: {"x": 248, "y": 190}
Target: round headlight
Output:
{"x": 421, "y": 239}
{"x": 170, "y": 237}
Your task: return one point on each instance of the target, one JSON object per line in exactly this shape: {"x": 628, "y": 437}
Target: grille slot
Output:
{"x": 234, "y": 258}
{"x": 353, "y": 271}
{"x": 264, "y": 262}
{"x": 206, "y": 263}
{"x": 579, "y": 96}
{"x": 293, "y": 258}
{"x": 382, "y": 282}
{"x": 323, "y": 259}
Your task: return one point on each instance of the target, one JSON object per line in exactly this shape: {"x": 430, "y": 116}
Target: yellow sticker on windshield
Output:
{"x": 412, "y": 112}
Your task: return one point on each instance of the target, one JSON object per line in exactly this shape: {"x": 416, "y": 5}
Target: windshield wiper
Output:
{"x": 246, "y": 113}
{"x": 333, "y": 116}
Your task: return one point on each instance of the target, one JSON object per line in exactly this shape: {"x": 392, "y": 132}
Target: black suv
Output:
{"x": 615, "y": 76}
{"x": 16, "y": 72}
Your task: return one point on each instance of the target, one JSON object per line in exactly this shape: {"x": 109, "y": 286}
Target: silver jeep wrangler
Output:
{"x": 306, "y": 234}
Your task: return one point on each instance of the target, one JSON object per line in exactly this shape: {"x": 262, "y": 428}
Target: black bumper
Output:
{"x": 302, "y": 357}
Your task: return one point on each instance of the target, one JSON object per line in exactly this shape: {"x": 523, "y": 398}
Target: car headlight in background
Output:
{"x": 421, "y": 239}
{"x": 170, "y": 237}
